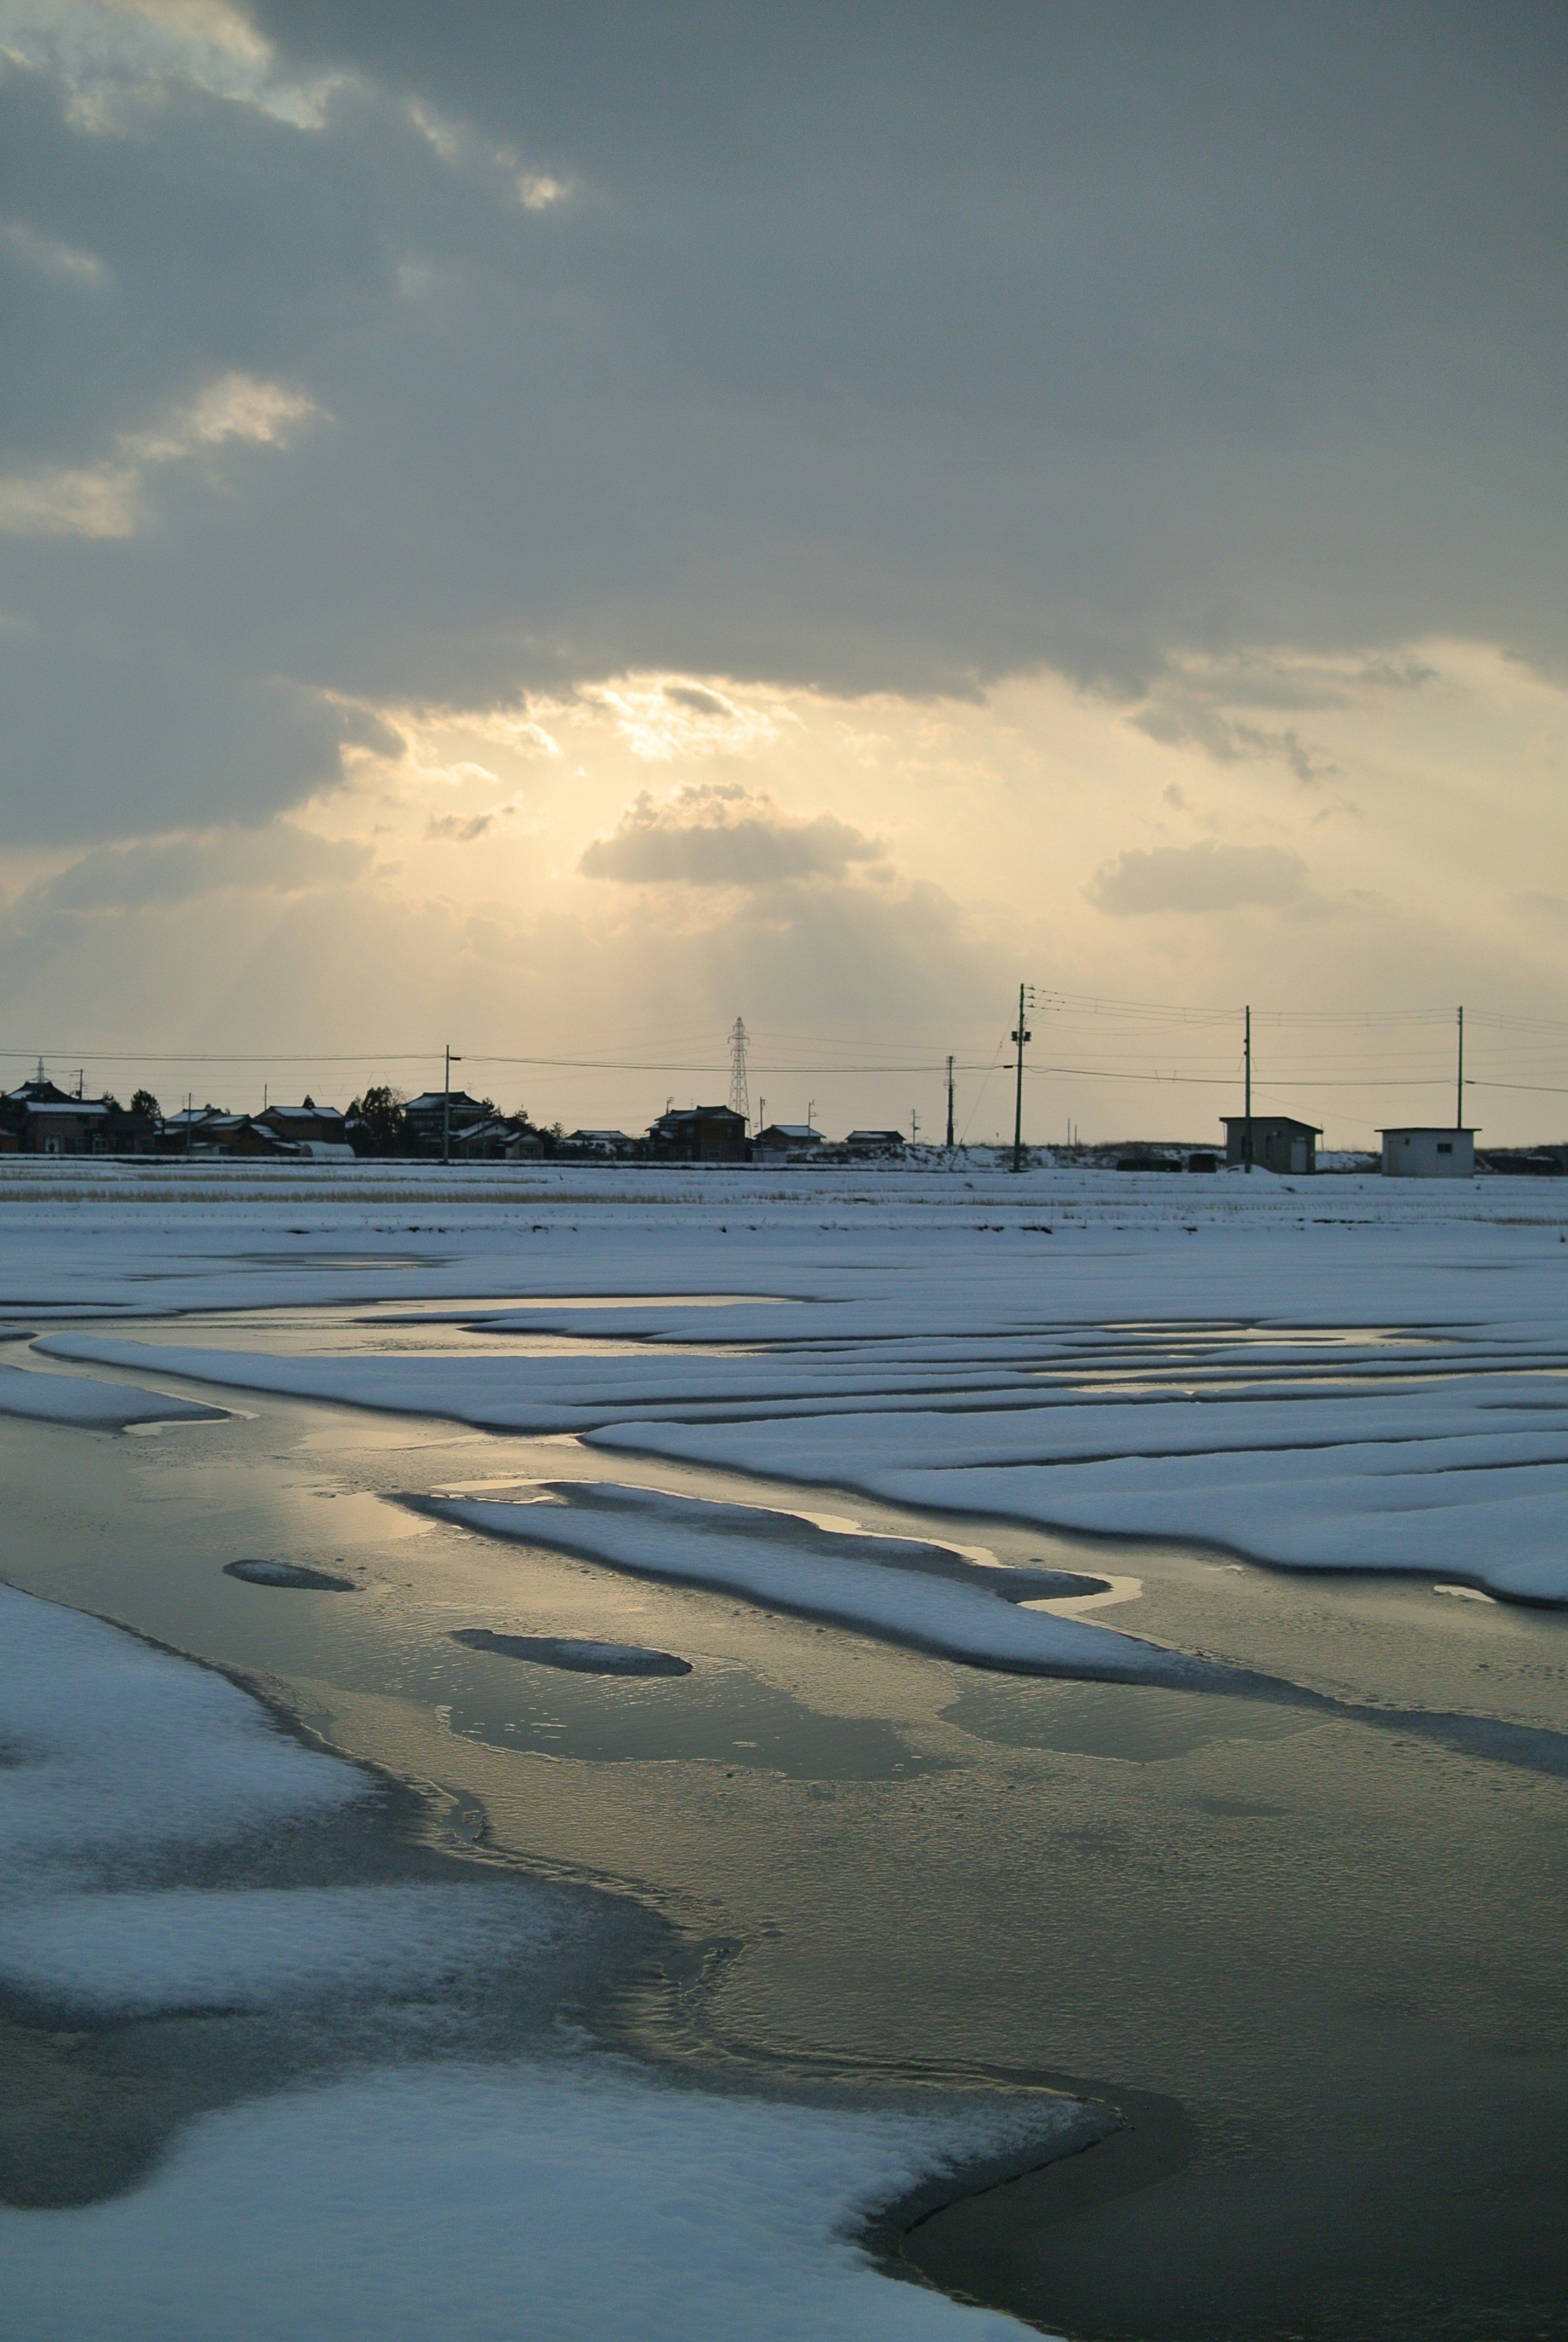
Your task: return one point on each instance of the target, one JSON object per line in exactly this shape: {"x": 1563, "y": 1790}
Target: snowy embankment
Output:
{"x": 565, "y": 2187}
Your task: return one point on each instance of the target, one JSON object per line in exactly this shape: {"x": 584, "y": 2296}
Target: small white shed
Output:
{"x": 1423, "y": 1151}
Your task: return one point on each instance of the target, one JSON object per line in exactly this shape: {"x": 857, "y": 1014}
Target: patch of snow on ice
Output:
{"x": 93, "y": 1406}
{"x": 254, "y": 1947}
{"x": 574, "y": 2201}
{"x": 741, "y": 1549}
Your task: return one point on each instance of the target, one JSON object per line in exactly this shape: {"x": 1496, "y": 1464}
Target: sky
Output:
{"x": 548, "y": 530}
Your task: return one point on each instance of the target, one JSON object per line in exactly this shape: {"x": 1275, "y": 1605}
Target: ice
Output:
{"x": 93, "y": 1405}
{"x": 574, "y": 1655}
{"x": 563, "y": 2194}
{"x": 816, "y": 1575}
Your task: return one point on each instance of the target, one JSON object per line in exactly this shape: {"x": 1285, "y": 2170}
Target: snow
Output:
{"x": 562, "y": 2203}
{"x": 565, "y": 2194}
{"x": 117, "y": 1751}
{"x": 1338, "y": 1373}
{"x": 1329, "y": 1373}
{"x": 816, "y": 1574}
{"x": 259, "y": 1947}
{"x": 93, "y": 1405}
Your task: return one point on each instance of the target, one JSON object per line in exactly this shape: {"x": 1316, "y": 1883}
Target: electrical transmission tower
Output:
{"x": 740, "y": 1095}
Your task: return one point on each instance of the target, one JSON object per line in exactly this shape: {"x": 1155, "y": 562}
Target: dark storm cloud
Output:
{"x": 877, "y": 348}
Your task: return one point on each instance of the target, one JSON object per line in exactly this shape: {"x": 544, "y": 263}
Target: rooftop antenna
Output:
{"x": 740, "y": 1095}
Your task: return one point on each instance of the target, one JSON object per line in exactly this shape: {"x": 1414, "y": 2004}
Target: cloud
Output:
{"x": 280, "y": 860}
{"x": 1209, "y": 876}
{"x": 721, "y": 834}
{"x": 465, "y": 829}
{"x": 105, "y": 499}
{"x": 669, "y": 720}
{"x": 1553, "y": 908}
{"x": 1083, "y": 341}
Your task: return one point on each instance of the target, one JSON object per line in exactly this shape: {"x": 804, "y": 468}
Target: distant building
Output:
{"x": 876, "y": 1142}
{"x": 602, "y": 1142}
{"x": 1278, "y": 1142}
{"x": 700, "y": 1134}
{"x": 787, "y": 1138}
{"x": 435, "y": 1111}
{"x": 1421, "y": 1151}
{"x": 308, "y": 1124}
{"x": 69, "y": 1126}
{"x": 497, "y": 1139}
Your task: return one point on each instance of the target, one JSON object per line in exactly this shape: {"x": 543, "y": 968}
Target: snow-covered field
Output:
{"x": 1329, "y": 1375}
{"x": 1341, "y": 1373}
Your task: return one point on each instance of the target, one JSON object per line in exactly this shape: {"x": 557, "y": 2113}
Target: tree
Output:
{"x": 142, "y": 1102}
{"x": 379, "y": 1125}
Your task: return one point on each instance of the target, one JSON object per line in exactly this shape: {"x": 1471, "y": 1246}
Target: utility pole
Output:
{"x": 762, "y": 1116}
{"x": 811, "y": 1114}
{"x": 740, "y": 1099}
{"x": 913, "y": 1128}
{"x": 1020, "y": 1038}
{"x": 1247, "y": 1052}
{"x": 1459, "y": 1095}
{"x": 950, "y": 1106}
{"x": 446, "y": 1107}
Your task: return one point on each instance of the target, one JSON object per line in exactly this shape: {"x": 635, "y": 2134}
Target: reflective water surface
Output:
{"x": 1337, "y": 1949}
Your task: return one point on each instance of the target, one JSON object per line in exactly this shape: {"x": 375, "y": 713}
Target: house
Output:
{"x": 602, "y": 1142}
{"x": 700, "y": 1134}
{"x": 65, "y": 1126}
{"x": 497, "y": 1139}
{"x": 1278, "y": 1142}
{"x": 787, "y": 1138}
{"x": 307, "y": 1124}
{"x": 1425, "y": 1151}
{"x": 876, "y": 1142}
{"x": 434, "y": 1112}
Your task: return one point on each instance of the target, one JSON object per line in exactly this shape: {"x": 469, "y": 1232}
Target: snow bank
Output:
{"x": 816, "y": 1575}
{"x": 561, "y": 2202}
{"x": 96, "y": 1407}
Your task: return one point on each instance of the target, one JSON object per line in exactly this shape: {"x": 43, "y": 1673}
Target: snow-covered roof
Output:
{"x": 73, "y": 1105}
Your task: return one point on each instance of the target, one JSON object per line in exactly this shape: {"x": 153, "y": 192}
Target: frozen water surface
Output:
{"x": 1308, "y": 1940}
